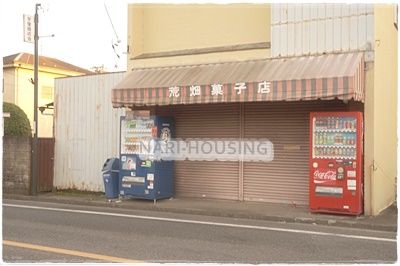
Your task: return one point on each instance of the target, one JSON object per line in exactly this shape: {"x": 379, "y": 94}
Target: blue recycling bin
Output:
{"x": 111, "y": 177}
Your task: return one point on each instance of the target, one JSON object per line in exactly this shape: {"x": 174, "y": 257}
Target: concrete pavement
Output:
{"x": 386, "y": 221}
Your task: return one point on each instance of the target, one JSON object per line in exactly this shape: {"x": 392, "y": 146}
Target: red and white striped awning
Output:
{"x": 322, "y": 77}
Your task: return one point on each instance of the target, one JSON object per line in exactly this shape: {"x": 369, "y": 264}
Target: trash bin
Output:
{"x": 111, "y": 177}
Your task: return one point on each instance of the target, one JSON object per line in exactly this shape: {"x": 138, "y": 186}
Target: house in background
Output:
{"x": 19, "y": 89}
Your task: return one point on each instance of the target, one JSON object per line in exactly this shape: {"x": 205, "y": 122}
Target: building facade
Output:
{"x": 308, "y": 68}
{"x": 18, "y": 85}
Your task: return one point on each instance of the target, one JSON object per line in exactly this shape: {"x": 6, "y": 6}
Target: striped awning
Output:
{"x": 322, "y": 77}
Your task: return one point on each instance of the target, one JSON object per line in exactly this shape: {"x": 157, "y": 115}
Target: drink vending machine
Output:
{"x": 336, "y": 176}
{"x": 142, "y": 174}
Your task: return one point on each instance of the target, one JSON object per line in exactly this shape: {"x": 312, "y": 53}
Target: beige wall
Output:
{"x": 9, "y": 85}
{"x": 368, "y": 136}
{"x": 161, "y": 28}
{"x": 381, "y": 115}
{"x": 24, "y": 98}
{"x": 19, "y": 90}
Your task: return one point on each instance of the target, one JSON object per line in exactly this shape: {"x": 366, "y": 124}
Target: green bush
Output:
{"x": 18, "y": 123}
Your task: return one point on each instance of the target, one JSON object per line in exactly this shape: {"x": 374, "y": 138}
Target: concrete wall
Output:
{"x": 384, "y": 114}
{"x": 164, "y": 28}
{"x": 16, "y": 165}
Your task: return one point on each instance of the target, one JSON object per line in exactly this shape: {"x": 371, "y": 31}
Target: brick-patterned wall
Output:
{"x": 16, "y": 165}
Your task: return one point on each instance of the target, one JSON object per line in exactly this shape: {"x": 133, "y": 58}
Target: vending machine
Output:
{"x": 142, "y": 174}
{"x": 336, "y": 172}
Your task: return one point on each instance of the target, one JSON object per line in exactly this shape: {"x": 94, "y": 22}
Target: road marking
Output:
{"x": 286, "y": 230}
{"x": 68, "y": 252}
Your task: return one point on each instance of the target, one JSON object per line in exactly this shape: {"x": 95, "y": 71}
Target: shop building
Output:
{"x": 218, "y": 79}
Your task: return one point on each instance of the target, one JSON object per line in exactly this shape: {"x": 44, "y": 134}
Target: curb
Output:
{"x": 151, "y": 207}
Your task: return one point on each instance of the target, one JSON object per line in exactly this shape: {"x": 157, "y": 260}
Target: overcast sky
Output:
{"x": 83, "y": 31}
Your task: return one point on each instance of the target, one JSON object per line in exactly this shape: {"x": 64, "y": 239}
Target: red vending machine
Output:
{"x": 336, "y": 176}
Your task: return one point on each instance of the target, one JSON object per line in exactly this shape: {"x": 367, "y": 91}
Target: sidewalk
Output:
{"x": 386, "y": 221}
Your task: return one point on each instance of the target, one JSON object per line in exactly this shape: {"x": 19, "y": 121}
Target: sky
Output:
{"x": 83, "y": 32}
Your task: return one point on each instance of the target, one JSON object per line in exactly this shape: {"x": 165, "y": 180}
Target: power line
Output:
{"x": 113, "y": 44}
{"x": 112, "y": 25}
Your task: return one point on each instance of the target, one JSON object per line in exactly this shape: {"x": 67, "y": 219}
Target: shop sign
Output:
{"x": 263, "y": 87}
{"x": 29, "y": 29}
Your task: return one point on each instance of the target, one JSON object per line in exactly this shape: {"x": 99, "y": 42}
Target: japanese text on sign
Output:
{"x": 29, "y": 29}
{"x": 263, "y": 87}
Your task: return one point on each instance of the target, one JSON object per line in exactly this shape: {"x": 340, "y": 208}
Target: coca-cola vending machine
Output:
{"x": 336, "y": 177}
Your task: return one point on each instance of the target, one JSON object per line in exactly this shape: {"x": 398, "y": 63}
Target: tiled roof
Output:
{"x": 44, "y": 61}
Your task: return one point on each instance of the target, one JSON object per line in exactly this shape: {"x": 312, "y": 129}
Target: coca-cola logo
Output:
{"x": 325, "y": 175}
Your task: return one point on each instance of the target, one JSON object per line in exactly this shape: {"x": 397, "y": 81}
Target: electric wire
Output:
{"x": 112, "y": 24}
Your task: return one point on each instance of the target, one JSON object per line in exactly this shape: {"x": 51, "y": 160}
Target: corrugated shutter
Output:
{"x": 209, "y": 179}
{"x": 286, "y": 124}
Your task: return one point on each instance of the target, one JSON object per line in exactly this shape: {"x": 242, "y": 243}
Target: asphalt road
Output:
{"x": 66, "y": 233}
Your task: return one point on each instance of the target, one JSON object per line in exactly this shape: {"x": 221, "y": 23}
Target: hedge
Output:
{"x": 18, "y": 123}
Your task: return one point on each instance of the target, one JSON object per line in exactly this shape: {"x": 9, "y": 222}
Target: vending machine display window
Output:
{"x": 334, "y": 137}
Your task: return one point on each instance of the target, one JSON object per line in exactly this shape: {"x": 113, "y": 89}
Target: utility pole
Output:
{"x": 35, "y": 108}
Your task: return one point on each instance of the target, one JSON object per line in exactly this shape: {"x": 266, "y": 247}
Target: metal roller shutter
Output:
{"x": 209, "y": 179}
{"x": 286, "y": 124}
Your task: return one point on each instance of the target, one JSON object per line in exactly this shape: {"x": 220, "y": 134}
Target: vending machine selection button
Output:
{"x": 315, "y": 164}
{"x": 351, "y": 184}
{"x": 351, "y": 173}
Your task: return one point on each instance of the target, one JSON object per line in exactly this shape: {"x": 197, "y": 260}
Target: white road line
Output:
{"x": 286, "y": 230}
